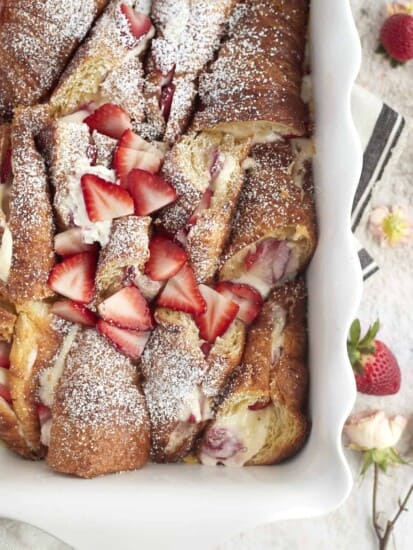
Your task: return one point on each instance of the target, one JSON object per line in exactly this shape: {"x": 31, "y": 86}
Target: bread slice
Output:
{"x": 11, "y": 433}
{"x": 37, "y": 39}
{"x": 7, "y": 321}
{"x": 38, "y": 334}
{"x": 30, "y": 217}
{"x": 109, "y": 44}
{"x": 197, "y": 164}
{"x": 100, "y": 423}
{"x": 261, "y": 420}
{"x": 253, "y": 88}
{"x": 274, "y": 231}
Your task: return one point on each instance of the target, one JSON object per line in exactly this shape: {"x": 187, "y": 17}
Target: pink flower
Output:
{"x": 373, "y": 430}
{"x": 390, "y": 226}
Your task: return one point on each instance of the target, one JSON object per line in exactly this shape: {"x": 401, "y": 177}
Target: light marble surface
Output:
{"x": 389, "y": 296}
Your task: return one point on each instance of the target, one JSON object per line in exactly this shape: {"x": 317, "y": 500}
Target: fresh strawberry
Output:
{"x": 247, "y": 298}
{"x": 127, "y": 308}
{"x": 5, "y": 170}
{"x": 375, "y": 367}
{"x": 44, "y": 413}
{"x": 104, "y": 200}
{"x": 5, "y": 355}
{"x": 74, "y": 312}
{"x": 165, "y": 101}
{"x": 134, "y": 152}
{"x": 129, "y": 342}
{"x": 219, "y": 314}
{"x": 149, "y": 192}
{"x": 74, "y": 277}
{"x": 396, "y": 37}
{"x": 71, "y": 242}
{"x": 139, "y": 24}
{"x": 203, "y": 205}
{"x": 165, "y": 260}
{"x": 110, "y": 120}
{"x": 181, "y": 293}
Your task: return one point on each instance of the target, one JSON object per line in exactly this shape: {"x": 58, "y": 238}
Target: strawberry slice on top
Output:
{"x": 247, "y": 298}
{"x": 74, "y": 312}
{"x": 127, "y": 308}
{"x": 149, "y": 192}
{"x": 181, "y": 293}
{"x": 74, "y": 277}
{"x": 165, "y": 260}
{"x": 219, "y": 314}
{"x": 104, "y": 200}
{"x": 129, "y": 342}
{"x": 109, "y": 119}
{"x": 139, "y": 23}
{"x": 134, "y": 152}
{"x": 71, "y": 242}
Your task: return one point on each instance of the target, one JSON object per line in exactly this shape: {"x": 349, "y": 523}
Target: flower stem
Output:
{"x": 375, "y": 488}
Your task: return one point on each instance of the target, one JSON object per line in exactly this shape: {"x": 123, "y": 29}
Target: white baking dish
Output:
{"x": 185, "y": 507}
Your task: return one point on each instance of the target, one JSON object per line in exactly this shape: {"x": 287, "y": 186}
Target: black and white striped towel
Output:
{"x": 380, "y": 129}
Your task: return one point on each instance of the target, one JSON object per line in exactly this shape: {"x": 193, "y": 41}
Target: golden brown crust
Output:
{"x": 11, "y": 433}
{"x": 30, "y": 218}
{"x": 256, "y": 78}
{"x": 100, "y": 423}
{"x": 7, "y": 321}
{"x": 37, "y": 337}
{"x": 37, "y": 39}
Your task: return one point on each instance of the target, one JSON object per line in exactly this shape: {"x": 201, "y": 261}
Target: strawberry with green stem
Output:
{"x": 375, "y": 367}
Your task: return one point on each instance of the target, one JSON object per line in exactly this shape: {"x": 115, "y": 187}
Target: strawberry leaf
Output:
{"x": 355, "y": 331}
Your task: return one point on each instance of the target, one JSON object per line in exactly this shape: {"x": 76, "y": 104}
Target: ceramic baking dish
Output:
{"x": 187, "y": 507}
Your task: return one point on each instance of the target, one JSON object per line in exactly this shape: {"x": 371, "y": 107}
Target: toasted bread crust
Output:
{"x": 100, "y": 423}
{"x": 11, "y": 433}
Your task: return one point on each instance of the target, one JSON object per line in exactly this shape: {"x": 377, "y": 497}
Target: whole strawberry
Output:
{"x": 375, "y": 367}
{"x": 396, "y": 37}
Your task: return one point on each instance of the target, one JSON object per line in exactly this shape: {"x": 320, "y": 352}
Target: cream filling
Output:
{"x": 45, "y": 432}
{"x": 4, "y": 377}
{"x": 304, "y": 150}
{"x": 92, "y": 231}
{"x": 226, "y": 171}
{"x": 246, "y": 427}
{"x": 6, "y": 251}
{"x": 50, "y": 377}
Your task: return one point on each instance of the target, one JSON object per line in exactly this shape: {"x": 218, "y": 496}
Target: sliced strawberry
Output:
{"x": 149, "y": 192}
{"x": 203, "y": 205}
{"x": 5, "y": 393}
{"x": 219, "y": 314}
{"x": 74, "y": 277}
{"x": 110, "y": 120}
{"x": 259, "y": 405}
{"x": 104, "y": 200}
{"x": 248, "y": 299}
{"x": 129, "y": 342}
{"x": 134, "y": 152}
{"x": 139, "y": 24}
{"x": 74, "y": 312}
{"x": 5, "y": 170}
{"x": 206, "y": 348}
{"x": 268, "y": 261}
{"x": 181, "y": 293}
{"x": 71, "y": 242}
{"x": 166, "y": 258}
{"x": 5, "y": 355}
{"x": 127, "y": 309}
{"x": 165, "y": 101}
{"x": 44, "y": 413}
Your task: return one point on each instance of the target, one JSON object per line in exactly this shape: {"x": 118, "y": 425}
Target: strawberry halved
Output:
{"x": 219, "y": 314}
{"x": 181, "y": 293}
{"x": 104, "y": 200}
{"x": 139, "y": 23}
{"x": 127, "y": 308}
{"x": 134, "y": 152}
{"x": 129, "y": 342}
{"x": 203, "y": 205}
{"x": 165, "y": 260}
{"x": 165, "y": 101}
{"x": 74, "y": 277}
{"x": 5, "y": 355}
{"x": 248, "y": 299}
{"x": 110, "y": 120}
{"x": 71, "y": 242}
{"x": 44, "y": 413}
{"x": 149, "y": 192}
{"x": 74, "y": 312}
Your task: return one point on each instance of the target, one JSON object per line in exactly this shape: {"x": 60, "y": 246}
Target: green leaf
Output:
{"x": 370, "y": 335}
{"x": 355, "y": 331}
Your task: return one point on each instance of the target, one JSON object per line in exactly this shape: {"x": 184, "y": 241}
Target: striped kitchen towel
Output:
{"x": 380, "y": 129}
